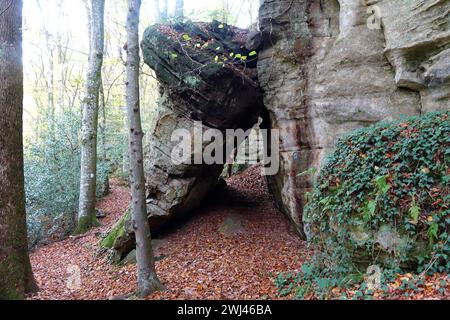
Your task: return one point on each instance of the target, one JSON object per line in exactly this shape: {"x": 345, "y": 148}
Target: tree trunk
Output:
{"x": 179, "y": 10}
{"x": 165, "y": 12}
{"x": 16, "y": 277}
{"x": 157, "y": 11}
{"x": 88, "y": 179}
{"x": 49, "y": 78}
{"x": 87, "y": 7}
{"x": 147, "y": 279}
{"x": 125, "y": 154}
{"x": 104, "y": 155}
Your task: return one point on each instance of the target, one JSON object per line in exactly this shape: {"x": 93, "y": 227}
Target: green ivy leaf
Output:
{"x": 433, "y": 232}
{"x": 253, "y": 53}
{"x": 414, "y": 212}
{"x": 382, "y": 184}
{"x": 369, "y": 210}
{"x": 310, "y": 172}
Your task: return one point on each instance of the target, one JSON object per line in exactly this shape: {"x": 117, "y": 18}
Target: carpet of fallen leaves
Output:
{"x": 231, "y": 248}
{"x": 404, "y": 287}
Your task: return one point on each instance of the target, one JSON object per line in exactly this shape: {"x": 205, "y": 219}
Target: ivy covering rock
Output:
{"x": 382, "y": 198}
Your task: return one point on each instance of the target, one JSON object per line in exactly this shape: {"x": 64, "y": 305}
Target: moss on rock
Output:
{"x": 118, "y": 232}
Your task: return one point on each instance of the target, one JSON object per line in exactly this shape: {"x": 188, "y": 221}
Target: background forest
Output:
{"x": 56, "y": 50}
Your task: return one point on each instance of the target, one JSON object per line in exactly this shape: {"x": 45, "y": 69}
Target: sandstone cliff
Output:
{"x": 327, "y": 68}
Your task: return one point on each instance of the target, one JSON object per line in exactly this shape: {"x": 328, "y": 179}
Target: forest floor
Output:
{"x": 231, "y": 248}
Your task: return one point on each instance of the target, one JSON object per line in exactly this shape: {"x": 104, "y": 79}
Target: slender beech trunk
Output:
{"x": 165, "y": 11}
{"x": 104, "y": 156}
{"x": 147, "y": 279}
{"x": 49, "y": 78}
{"x": 87, "y": 7}
{"x": 179, "y": 10}
{"x": 88, "y": 179}
{"x": 51, "y": 88}
{"x": 16, "y": 277}
{"x": 157, "y": 11}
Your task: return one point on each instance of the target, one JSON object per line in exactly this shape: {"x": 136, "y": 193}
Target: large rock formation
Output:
{"x": 201, "y": 80}
{"x": 327, "y": 68}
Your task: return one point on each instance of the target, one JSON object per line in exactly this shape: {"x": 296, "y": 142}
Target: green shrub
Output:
{"x": 52, "y": 178}
{"x": 383, "y": 198}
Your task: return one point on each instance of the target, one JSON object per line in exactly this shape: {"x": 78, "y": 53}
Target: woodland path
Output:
{"x": 231, "y": 248}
